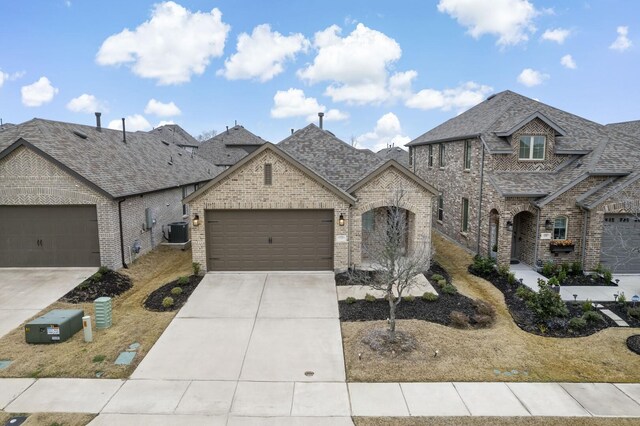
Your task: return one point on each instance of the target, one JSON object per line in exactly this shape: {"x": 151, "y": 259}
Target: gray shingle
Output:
{"x": 138, "y": 166}
{"x": 328, "y": 156}
{"x": 175, "y": 134}
{"x": 394, "y": 153}
{"x": 229, "y": 147}
{"x": 629, "y": 127}
{"x": 238, "y": 135}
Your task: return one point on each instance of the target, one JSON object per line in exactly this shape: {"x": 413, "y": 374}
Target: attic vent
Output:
{"x": 170, "y": 162}
{"x": 268, "y": 177}
{"x": 80, "y": 134}
{"x": 166, "y": 143}
{"x": 180, "y": 154}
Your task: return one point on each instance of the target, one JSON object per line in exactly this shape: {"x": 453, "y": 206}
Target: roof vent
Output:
{"x": 79, "y": 134}
{"x": 165, "y": 142}
{"x": 98, "y": 125}
{"x": 491, "y": 96}
{"x": 170, "y": 162}
{"x": 320, "y": 115}
{"x": 124, "y": 132}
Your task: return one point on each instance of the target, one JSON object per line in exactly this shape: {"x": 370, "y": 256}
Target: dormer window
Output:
{"x": 531, "y": 148}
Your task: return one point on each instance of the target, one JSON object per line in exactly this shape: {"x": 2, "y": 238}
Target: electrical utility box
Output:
{"x": 55, "y": 326}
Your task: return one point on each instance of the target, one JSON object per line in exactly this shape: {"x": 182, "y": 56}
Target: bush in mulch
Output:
{"x": 633, "y": 343}
{"x": 571, "y": 274}
{"x": 520, "y": 299}
{"x": 478, "y": 313}
{"x": 104, "y": 283}
{"x": 158, "y": 300}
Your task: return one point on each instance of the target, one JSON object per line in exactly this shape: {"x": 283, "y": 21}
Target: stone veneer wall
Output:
{"x": 291, "y": 188}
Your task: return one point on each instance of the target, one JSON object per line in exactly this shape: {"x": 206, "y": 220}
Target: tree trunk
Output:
{"x": 392, "y": 317}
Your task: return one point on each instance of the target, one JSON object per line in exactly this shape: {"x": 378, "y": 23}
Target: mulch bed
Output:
{"x": 437, "y": 311}
{"x": 633, "y": 343}
{"x": 585, "y": 280}
{"x": 621, "y": 311}
{"x": 525, "y": 319}
{"x": 110, "y": 284}
{"x": 154, "y": 300}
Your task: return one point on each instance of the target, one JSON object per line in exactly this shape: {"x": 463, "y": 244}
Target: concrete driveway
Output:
{"x": 246, "y": 346}
{"x": 26, "y": 291}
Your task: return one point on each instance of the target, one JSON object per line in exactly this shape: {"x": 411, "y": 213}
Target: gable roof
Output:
{"x": 334, "y": 160}
{"x": 269, "y": 146}
{"x": 227, "y": 148}
{"x": 101, "y": 158}
{"x": 401, "y": 169}
{"x": 394, "y": 153}
{"x": 237, "y": 135}
{"x": 175, "y": 134}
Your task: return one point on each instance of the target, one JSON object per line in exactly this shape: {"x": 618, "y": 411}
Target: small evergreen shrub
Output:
{"x": 592, "y": 317}
{"x": 577, "y": 323}
{"x": 369, "y": 297}
{"x": 561, "y": 277}
{"x": 437, "y": 277}
{"x": 607, "y": 275}
{"x": 442, "y": 283}
{"x": 524, "y": 293}
{"x": 576, "y": 268}
{"x": 350, "y": 300}
{"x": 634, "y": 312}
{"x": 546, "y": 303}
{"x": 587, "y": 306}
{"x": 97, "y": 277}
{"x": 459, "y": 319}
{"x": 483, "y": 265}
{"x": 429, "y": 297}
{"x": 176, "y": 291}
{"x": 103, "y": 270}
{"x": 622, "y": 299}
{"x": 167, "y": 302}
{"x": 503, "y": 270}
{"x": 448, "y": 289}
{"x": 511, "y": 278}
{"x": 548, "y": 269}
{"x": 409, "y": 298}
{"x": 196, "y": 268}
{"x": 183, "y": 281}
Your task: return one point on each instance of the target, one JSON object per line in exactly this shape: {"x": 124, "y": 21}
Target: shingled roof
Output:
{"x": 331, "y": 158}
{"x": 229, "y": 147}
{"x": 394, "y": 153}
{"x": 629, "y": 127}
{"x": 103, "y": 160}
{"x": 176, "y": 135}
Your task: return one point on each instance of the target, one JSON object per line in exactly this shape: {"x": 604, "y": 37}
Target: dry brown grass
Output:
{"x": 131, "y": 323}
{"x": 494, "y": 421}
{"x": 473, "y": 355}
{"x": 62, "y": 419}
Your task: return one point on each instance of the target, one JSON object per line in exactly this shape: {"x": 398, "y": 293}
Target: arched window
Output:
{"x": 560, "y": 228}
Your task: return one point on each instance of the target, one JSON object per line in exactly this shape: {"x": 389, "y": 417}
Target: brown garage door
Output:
{"x": 621, "y": 243}
{"x": 42, "y": 236}
{"x": 269, "y": 240}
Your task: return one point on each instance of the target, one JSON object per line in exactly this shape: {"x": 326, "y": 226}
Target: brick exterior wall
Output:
{"x": 290, "y": 189}
{"x": 26, "y": 178}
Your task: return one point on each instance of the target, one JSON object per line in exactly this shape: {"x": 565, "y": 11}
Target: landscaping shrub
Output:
{"x": 429, "y": 297}
{"x": 503, "y": 270}
{"x": 546, "y": 303}
{"x": 599, "y": 268}
{"x": 592, "y": 316}
{"x": 196, "y": 268}
{"x": 437, "y": 277}
{"x": 561, "y": 277}
{"x": 409, "y": 298}
{"x": 634, "y": 312}
{"x": 167, "y": 302}
{"x": 442, "y": 282}
{"x": 587, "y": 306}
{"x": 350, "y": 300}
{"x": 97, "y": 277}
{"x": 577, "y": 323}
{"x": 622, "y": 299}
{"x": 483, "y": 308}
{"x": 576, "y": 268}
{"x": 548, "y": 269}
{"x": 482, "y": 321}
{"x": 459, "y": 319}
{"x": 176, "y": 291}
{"x": 103, "y": 270}
{"x": 511, "y": 278}
{"x": 369, "y": 297}
{"x": 183, "y": 281}
{"x": 553, "y": 281}
{"x": 483, "y": 265}
{"x": 607, "y": 275}
{"x": 448, "y": 289}
{"x": 525, "y": 293}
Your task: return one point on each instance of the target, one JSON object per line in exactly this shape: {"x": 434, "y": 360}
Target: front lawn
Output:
{"x": 132, "y": 323}
{"x": 503, "y": 352}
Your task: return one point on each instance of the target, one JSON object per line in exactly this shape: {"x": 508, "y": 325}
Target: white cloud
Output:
{"x": 162, "y": 109}
{"x": 356, "y": 66}
{"x": 459, "y": 98}
{"x": 621, "y": 43}
{"x": 293, "y": 103}
{"x": 510, "y": 20}
{"x": 568, "y": 62}
{"x": 171, "y": 46}
{"x": 38, "y": 93}
{"x": 262, "y": 54}
{"x": 85, "y": 103}
{"x": 387, "y": 132}
{"x": 559, "y": 35}
{"x": 133, "y": 123}
{"x": 4, "y": 76}
{"x": 530, "y": 77}
{"x": 164, "y": 123}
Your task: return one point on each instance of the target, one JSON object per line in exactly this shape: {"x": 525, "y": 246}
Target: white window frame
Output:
{"x": 566, "y": 227}
{"x": 531, "y": 148}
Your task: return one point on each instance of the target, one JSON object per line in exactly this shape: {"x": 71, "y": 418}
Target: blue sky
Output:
{"x": 383, "y": 72}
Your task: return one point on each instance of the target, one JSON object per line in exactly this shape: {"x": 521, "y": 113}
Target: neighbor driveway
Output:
{"x": 26, "y": 291}
{"x": 246, "y": 345}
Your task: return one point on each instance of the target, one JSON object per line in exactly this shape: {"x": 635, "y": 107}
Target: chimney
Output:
{"x": 124, "y": 132}
{"x": 227, "y": 129}
{"x": 98, "y": 126}
{"x": 291, "y": 131}
{"x": 320, "y": 115}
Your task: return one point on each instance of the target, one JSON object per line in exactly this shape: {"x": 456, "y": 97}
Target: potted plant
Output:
{"x": 561, "y": 246}
{"x": 554, "y": 283}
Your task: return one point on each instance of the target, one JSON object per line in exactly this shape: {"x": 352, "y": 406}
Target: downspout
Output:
{"x": 349, "y": 237}
{"x": 124, "y": 264}
{"x": 480, "y": 202}
{"x": 587, "y": 217}
{"x": 535, "y": 248}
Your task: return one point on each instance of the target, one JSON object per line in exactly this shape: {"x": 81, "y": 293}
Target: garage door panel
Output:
{"x": 49, "y": 236}
{"x": 620, "y": 247}
{"x": 269, "y": 239}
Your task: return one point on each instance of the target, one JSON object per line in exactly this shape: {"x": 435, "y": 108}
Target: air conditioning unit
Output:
{"x": 178, "y": 232}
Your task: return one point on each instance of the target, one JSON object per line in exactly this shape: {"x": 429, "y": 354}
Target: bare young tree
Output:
{"x": 206, "y": 135}
{"x": 395, "y": 263}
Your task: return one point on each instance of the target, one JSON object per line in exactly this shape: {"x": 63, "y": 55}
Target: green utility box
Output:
{"x": 55, "y": 326}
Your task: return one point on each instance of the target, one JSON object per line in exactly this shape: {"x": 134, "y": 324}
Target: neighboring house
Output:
{"x": 303, "y": 204}
{"x": 517, "y": 176}
{"x": 227, "y": 148}
{"x": 172, "y": 133}
{"x": 75, "y": 195}
{"x": 394, "y": 153}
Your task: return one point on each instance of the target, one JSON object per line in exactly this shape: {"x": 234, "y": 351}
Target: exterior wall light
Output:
{"x": 548, "y": 225}
{"x": 509, "y": 226}
{"x": 341, "y": 220}
{"x": 196, "y": 220}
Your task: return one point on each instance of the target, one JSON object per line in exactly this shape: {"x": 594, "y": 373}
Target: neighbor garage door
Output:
{"x": 621, "y": 243}
{"x": 269, "y": 240}
{"x": 49, "y": 236}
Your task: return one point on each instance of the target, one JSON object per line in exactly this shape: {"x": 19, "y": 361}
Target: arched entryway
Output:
{"x": 523, "y": 238}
